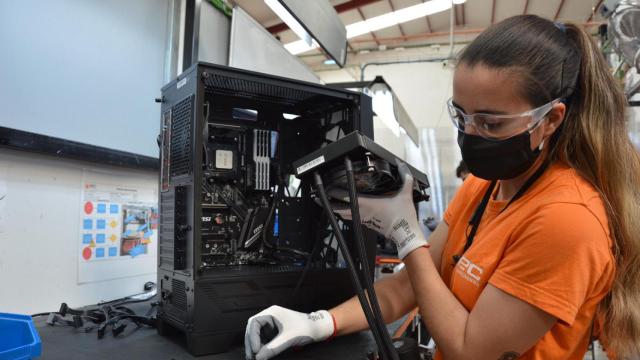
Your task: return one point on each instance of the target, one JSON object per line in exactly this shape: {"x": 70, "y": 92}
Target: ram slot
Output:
{"x": 261, "y": 158}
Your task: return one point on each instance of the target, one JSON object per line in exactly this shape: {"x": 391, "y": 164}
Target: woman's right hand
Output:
{"x": 291, "y": 328}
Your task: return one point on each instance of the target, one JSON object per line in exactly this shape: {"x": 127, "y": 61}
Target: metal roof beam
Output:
{"x": 559, "y": 10}
{"x": 393, "y": 8}
{"x": 370, "y": 32}
{"x": 493, "y": 11}
{"x": 593, "y": 11}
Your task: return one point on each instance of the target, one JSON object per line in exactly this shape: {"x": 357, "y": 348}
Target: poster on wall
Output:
{"x": 118, "y": 228}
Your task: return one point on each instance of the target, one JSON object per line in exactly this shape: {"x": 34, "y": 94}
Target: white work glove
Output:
{"x": 394, "y": 217}
{"x": 294, "y": 329}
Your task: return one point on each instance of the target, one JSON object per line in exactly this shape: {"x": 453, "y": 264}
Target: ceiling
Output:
{"x": 471, "y": 18}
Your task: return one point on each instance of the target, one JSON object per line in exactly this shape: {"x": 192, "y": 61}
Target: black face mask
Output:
{"x": 497, "y": 159}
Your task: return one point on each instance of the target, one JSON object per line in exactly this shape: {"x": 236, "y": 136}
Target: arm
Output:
{"x": 349, "y": 315}
{"x": 499, "y": 323}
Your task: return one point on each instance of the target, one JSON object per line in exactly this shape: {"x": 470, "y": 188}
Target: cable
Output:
{"x": 307, "y": 266}
{"x": 350, "y": 265}
{"x": 359, "y": 237}
{"x": 267, "y": 226}
{"x": 43, "y": 314}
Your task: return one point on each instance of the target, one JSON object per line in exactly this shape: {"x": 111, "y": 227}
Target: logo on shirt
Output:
{"x": 469, "y": 271}
{"x": 403, "y": 237}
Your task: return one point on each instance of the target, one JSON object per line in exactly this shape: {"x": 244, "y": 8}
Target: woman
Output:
{"x": 542, "y": 240}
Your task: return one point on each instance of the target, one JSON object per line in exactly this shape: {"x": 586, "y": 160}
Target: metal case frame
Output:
{"x": 211, "y": 307}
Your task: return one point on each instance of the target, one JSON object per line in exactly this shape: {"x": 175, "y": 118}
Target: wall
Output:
{"x": 213, "y": 41}
{"x": 86, "y": 71}
{"x": 252, "y": 47}
{"x": 39, "y": 233}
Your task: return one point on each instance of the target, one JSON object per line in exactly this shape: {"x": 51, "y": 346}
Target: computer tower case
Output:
{"x": 238, "y": 231}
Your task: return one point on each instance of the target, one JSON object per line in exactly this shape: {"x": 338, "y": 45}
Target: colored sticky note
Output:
{"x": 87, "y": 224}
{"x": 148, "y": 234}
{"x": 142, "y": 227}
{"x": 100, "y": 238}
{"x": 113, "y": 223}
{"x": 137, "y": 250}
{"x": 88, "y": 207}
{"x": 129, "y": 219}
{"x": 87, "y": 253}
{"x": 114, "y": 208}
{"x": 113, "y": 251}
{"x": 113, "y": 237}
{"x": 101, "y": 224}
{"x": 102, "y": 208}
{"x": 99, "y": 252}
{"x": 86, "y": 238}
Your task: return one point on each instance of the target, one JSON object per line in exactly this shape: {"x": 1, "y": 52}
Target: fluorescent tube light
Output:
{"x": 288, "y": 19}
{"x": 380, "y": 22}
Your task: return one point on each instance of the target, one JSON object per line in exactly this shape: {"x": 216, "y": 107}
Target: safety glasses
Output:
{"x": 498, "y": 127}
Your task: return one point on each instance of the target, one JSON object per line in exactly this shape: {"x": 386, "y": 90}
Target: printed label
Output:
{"x": 224, "y": 159}
{"x": 310, "y": 165}
{"x": 181, "y": 83}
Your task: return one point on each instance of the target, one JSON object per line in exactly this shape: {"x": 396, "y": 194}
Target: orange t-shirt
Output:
{"x": 550, "y": 248}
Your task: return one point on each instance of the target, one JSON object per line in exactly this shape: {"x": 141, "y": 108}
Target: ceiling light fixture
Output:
{"x": 380, "y": 22}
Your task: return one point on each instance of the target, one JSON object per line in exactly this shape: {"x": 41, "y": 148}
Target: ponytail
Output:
{"x": 564, "y": 62}
{"x": 595, "y": 142}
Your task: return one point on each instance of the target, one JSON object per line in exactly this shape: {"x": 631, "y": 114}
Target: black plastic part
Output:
{"x": 67, "y": 149}
{"x": 63, "y": 309}
{"x": 51, "y": 320}
{"x": 268, "y": 332}
{"x": 101, "y": 329}
{"x": 181, "y": 227}
{"x": 407, "y": 348}
{"x": 149, "y": 285}
{"x": 77, "y": 321}
{"x": 355, "y": 145}
{"x": 118, "y": 329}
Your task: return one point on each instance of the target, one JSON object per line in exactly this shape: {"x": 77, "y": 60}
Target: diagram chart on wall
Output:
{"x": 118, "y": 229}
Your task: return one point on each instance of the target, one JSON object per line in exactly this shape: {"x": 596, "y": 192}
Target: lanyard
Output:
{"x": 474, "y": 222}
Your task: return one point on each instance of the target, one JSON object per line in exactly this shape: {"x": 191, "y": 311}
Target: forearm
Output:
{"x": 446, "y": 318}
{"x": 350, "y": 317}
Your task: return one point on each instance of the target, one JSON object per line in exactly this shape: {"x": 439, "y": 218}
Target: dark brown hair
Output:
{"x": 562, "y": 61}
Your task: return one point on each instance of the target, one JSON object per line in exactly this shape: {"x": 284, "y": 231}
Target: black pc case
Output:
{"x": 235, "y": 236}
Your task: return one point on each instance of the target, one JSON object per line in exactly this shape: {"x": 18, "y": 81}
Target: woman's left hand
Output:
{"x": 392, "y": 216}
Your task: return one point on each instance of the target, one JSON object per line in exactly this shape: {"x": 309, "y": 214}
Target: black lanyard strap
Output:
{"x": 474, "y": 222}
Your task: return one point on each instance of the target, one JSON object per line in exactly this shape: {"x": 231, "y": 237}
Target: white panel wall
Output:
{"x": 213, "y": 42}
{"x": 39, "y": 234}
{"x": 86, "y": 71}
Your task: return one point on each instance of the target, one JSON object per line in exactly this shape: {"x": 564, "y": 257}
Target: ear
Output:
{"x": 555, "y": 117}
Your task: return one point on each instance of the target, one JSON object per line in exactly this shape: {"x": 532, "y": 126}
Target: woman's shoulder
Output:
{"x": 466, "y": 196}
{"x": 566, "y": 186}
